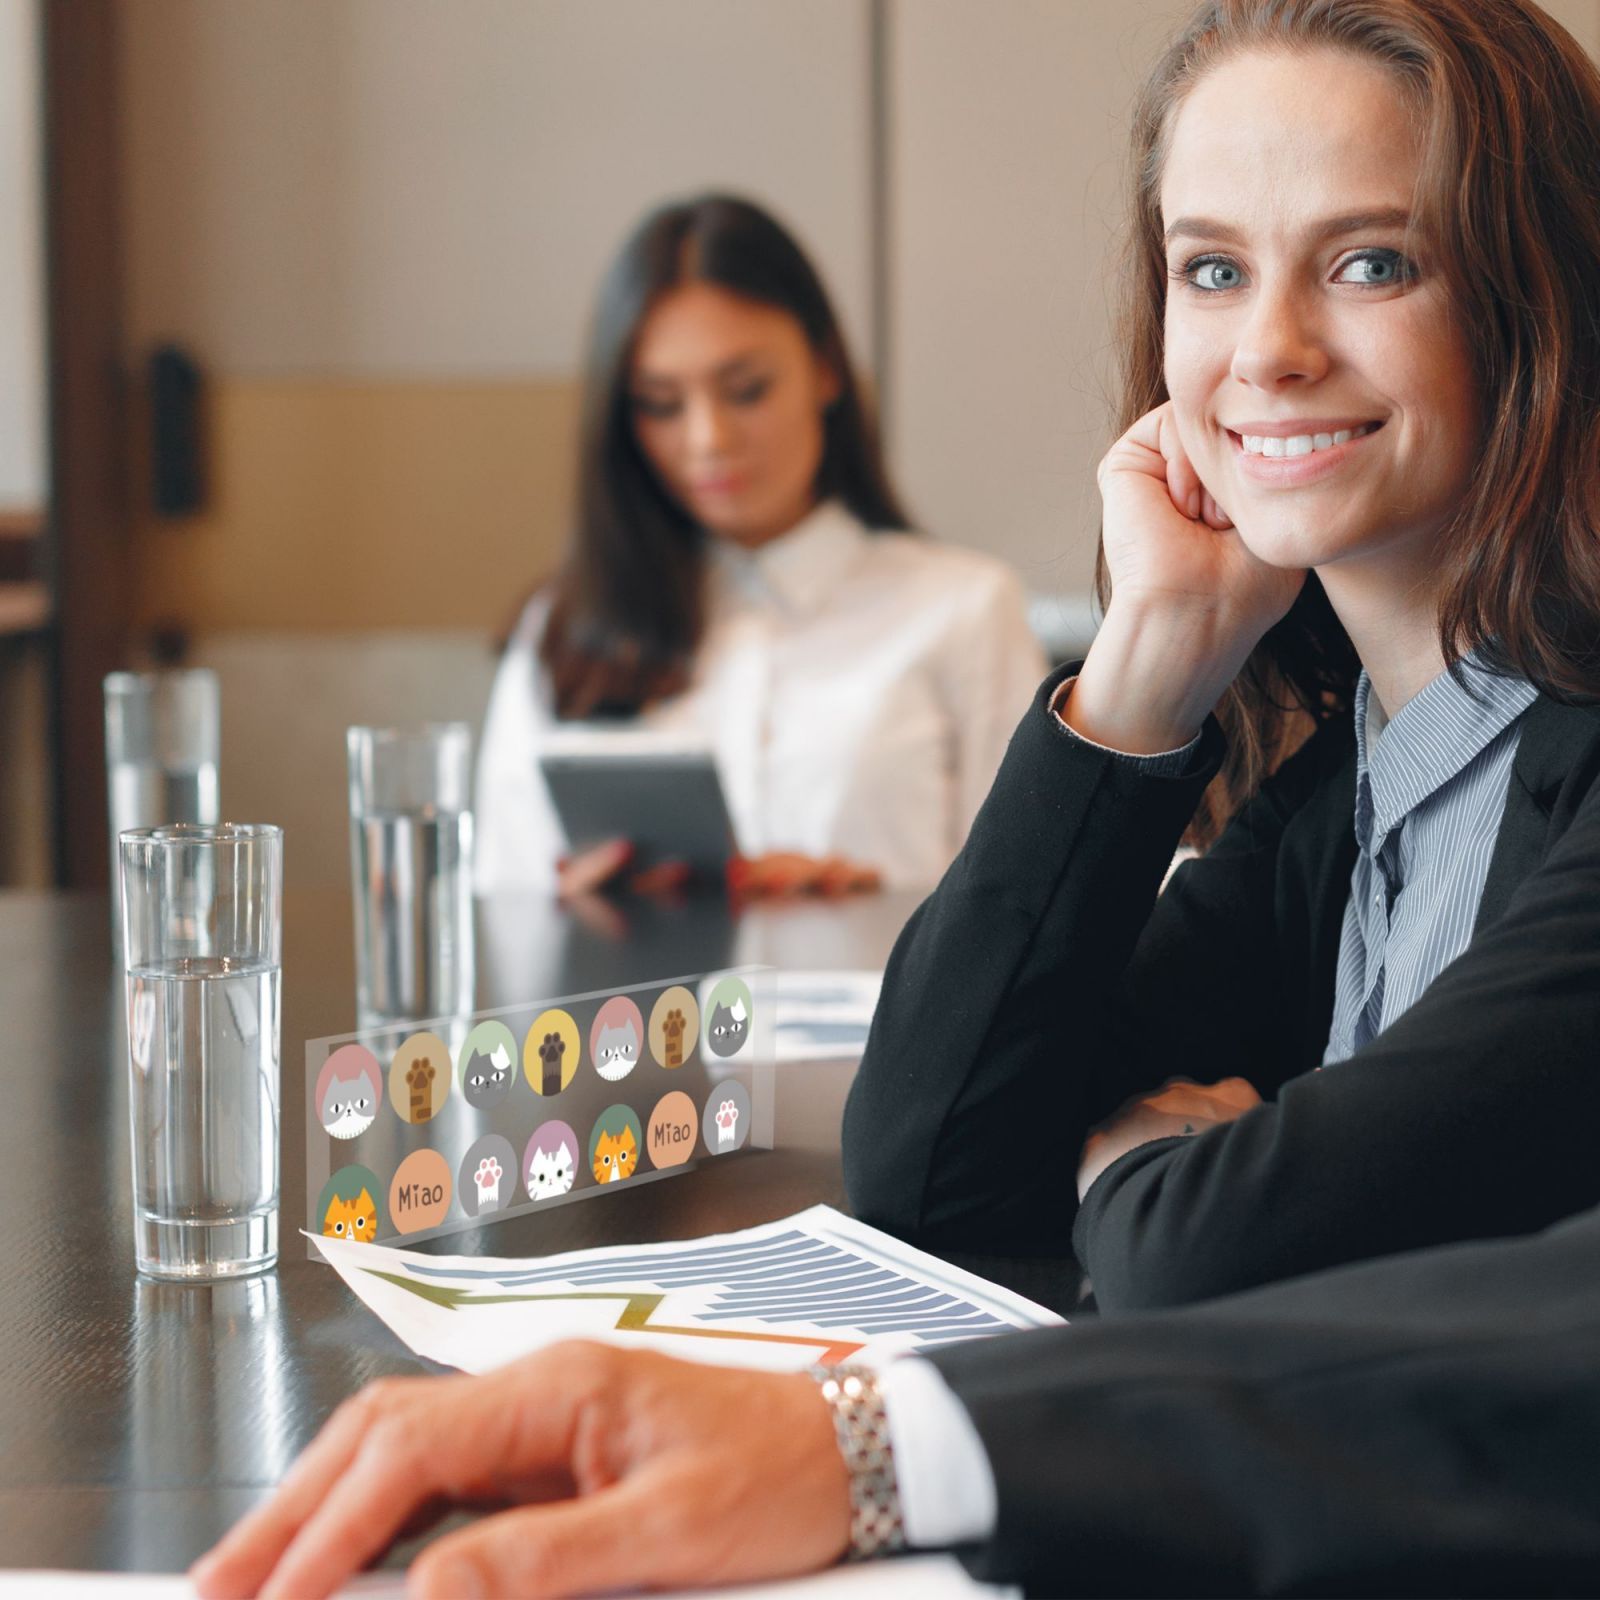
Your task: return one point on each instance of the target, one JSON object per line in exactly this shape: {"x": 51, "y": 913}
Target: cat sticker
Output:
{"x": 614, "y": 1145}
{"x": 352, "y": 1219}
{"x": 616, "y": 1038}
{"x": 728, "y": 1018}
{"x": 348, "y": 1092}
{"x": 550, "y": 1163}
{"x": 348, "y": 1207}
{"x": 486, "y": 1180}
{"x": 488, "y": 1065}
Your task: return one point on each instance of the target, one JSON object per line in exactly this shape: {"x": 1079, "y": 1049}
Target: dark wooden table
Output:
{"x": 139, "y": 1419}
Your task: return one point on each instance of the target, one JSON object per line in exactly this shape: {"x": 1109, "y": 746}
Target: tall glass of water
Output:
{"x": 411, "y": 871}
{"x": 163, "y": 736}
{"x": 203, "y": 932}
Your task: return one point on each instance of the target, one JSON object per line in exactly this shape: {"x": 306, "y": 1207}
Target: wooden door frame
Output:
{"x": 87, "y": 557}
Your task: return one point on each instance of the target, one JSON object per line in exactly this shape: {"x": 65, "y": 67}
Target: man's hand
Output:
{"x": 1176, "y": 1108}
{"x": 623, "y": 1469}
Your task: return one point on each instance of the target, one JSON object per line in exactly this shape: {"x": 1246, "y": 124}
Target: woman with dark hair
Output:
{"x": 1357, "y": 502}
{"x": 1355, "y": 507}
{"x": 742, "y": 574}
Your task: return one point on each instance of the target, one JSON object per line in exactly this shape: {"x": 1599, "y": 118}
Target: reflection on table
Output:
{"x": 141, "y": 1419}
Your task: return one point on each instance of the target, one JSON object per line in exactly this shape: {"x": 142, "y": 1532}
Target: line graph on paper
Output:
{"x": 815, "y": 1287}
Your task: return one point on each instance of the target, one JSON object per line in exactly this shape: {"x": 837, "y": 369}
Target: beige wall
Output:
{"x": 1010, "y": 123}
{"x": 425, "y": 188}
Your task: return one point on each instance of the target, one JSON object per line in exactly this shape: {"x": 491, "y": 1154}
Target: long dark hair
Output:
{"x": 628, "y": 605}
{"x": 1510, "y": 187}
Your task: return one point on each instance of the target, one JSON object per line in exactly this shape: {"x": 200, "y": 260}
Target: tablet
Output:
{"x": 666, "y": 798}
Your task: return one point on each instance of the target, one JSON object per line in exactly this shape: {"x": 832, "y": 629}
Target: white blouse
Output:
{"x": 857, "y": 691}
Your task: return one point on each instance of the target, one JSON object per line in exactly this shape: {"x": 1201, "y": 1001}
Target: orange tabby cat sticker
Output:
{"x": 348, "y": 1207}
{"x": 614, "y": 1144}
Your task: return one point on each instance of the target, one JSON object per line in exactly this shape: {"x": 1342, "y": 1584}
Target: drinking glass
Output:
{"x": 163, "y": 736}
{"x": 203, "y": 932}
{"x": 411, "y": 871}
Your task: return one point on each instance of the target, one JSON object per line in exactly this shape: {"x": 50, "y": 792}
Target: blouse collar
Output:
{"x": 799, "y": 569}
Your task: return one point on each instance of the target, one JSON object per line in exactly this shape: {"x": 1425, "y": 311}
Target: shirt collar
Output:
{"x": 799, "y": 569}
{"x": 1429, "y": 740}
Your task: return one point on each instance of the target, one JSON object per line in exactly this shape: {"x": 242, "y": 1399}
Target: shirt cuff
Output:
{"x": 1161, "y": 764}
{"x": 947, "y": 1489}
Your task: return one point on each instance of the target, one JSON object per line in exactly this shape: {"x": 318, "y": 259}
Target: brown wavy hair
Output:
{"x": 628, "y": 606}
{"x": 1509, "y": 108}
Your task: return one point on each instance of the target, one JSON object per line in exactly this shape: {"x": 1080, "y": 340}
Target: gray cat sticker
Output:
{"x": 348, "y": 1105}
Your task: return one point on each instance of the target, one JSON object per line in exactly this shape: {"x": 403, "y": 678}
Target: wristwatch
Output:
{"x": 861, "y": 1424}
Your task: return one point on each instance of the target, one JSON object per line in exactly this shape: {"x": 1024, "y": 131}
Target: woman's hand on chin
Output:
{"x": 1188, "y": 600}
{"x": 1170, "y": 547}
{"x": 621, "y": 1469}
{"x": 781, "y": 873}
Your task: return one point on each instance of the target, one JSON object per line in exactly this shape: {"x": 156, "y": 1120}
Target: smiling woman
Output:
{"x": 1355, "y": 507}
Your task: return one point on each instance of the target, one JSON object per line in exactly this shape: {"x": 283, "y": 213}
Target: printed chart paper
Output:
{"x": 824, "y": 1016}
{"x": 922, "y": 1577}
{"x": 817, "y": 1286}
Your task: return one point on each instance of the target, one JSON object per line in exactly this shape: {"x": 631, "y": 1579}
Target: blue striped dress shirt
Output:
{"x": 1430, "y": 790}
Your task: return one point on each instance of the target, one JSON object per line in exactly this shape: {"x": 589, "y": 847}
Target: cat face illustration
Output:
{"x": 617, "y": 1051}
{"x": 615, "y": 1156}
{"x": 348, "y": 1106}
{"x": 729, "y": 1024}
{"x": 487, "y": 1077}
{"x": 351, "y": 1219}
{"x": 551, "y": 1172}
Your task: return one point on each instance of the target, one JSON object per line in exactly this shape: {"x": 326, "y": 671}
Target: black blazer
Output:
{"x": 1044, "y": 982}
{"x": 1426, "y": 1424}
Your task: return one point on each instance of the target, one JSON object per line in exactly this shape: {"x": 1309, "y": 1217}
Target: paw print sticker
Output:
{"x": 420, "y": 1076}
{"x": 550, "y": 1052}
{"x": 725, "y": 1124}
{"x": 551, "y": 1049}
{"x": 674, "y": 1027}
{"x": 419, "y": 1080}
{"x": 486, "y": 1180}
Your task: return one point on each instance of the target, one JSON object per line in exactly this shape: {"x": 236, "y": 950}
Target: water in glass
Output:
{"x": 203, "y": 1043}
